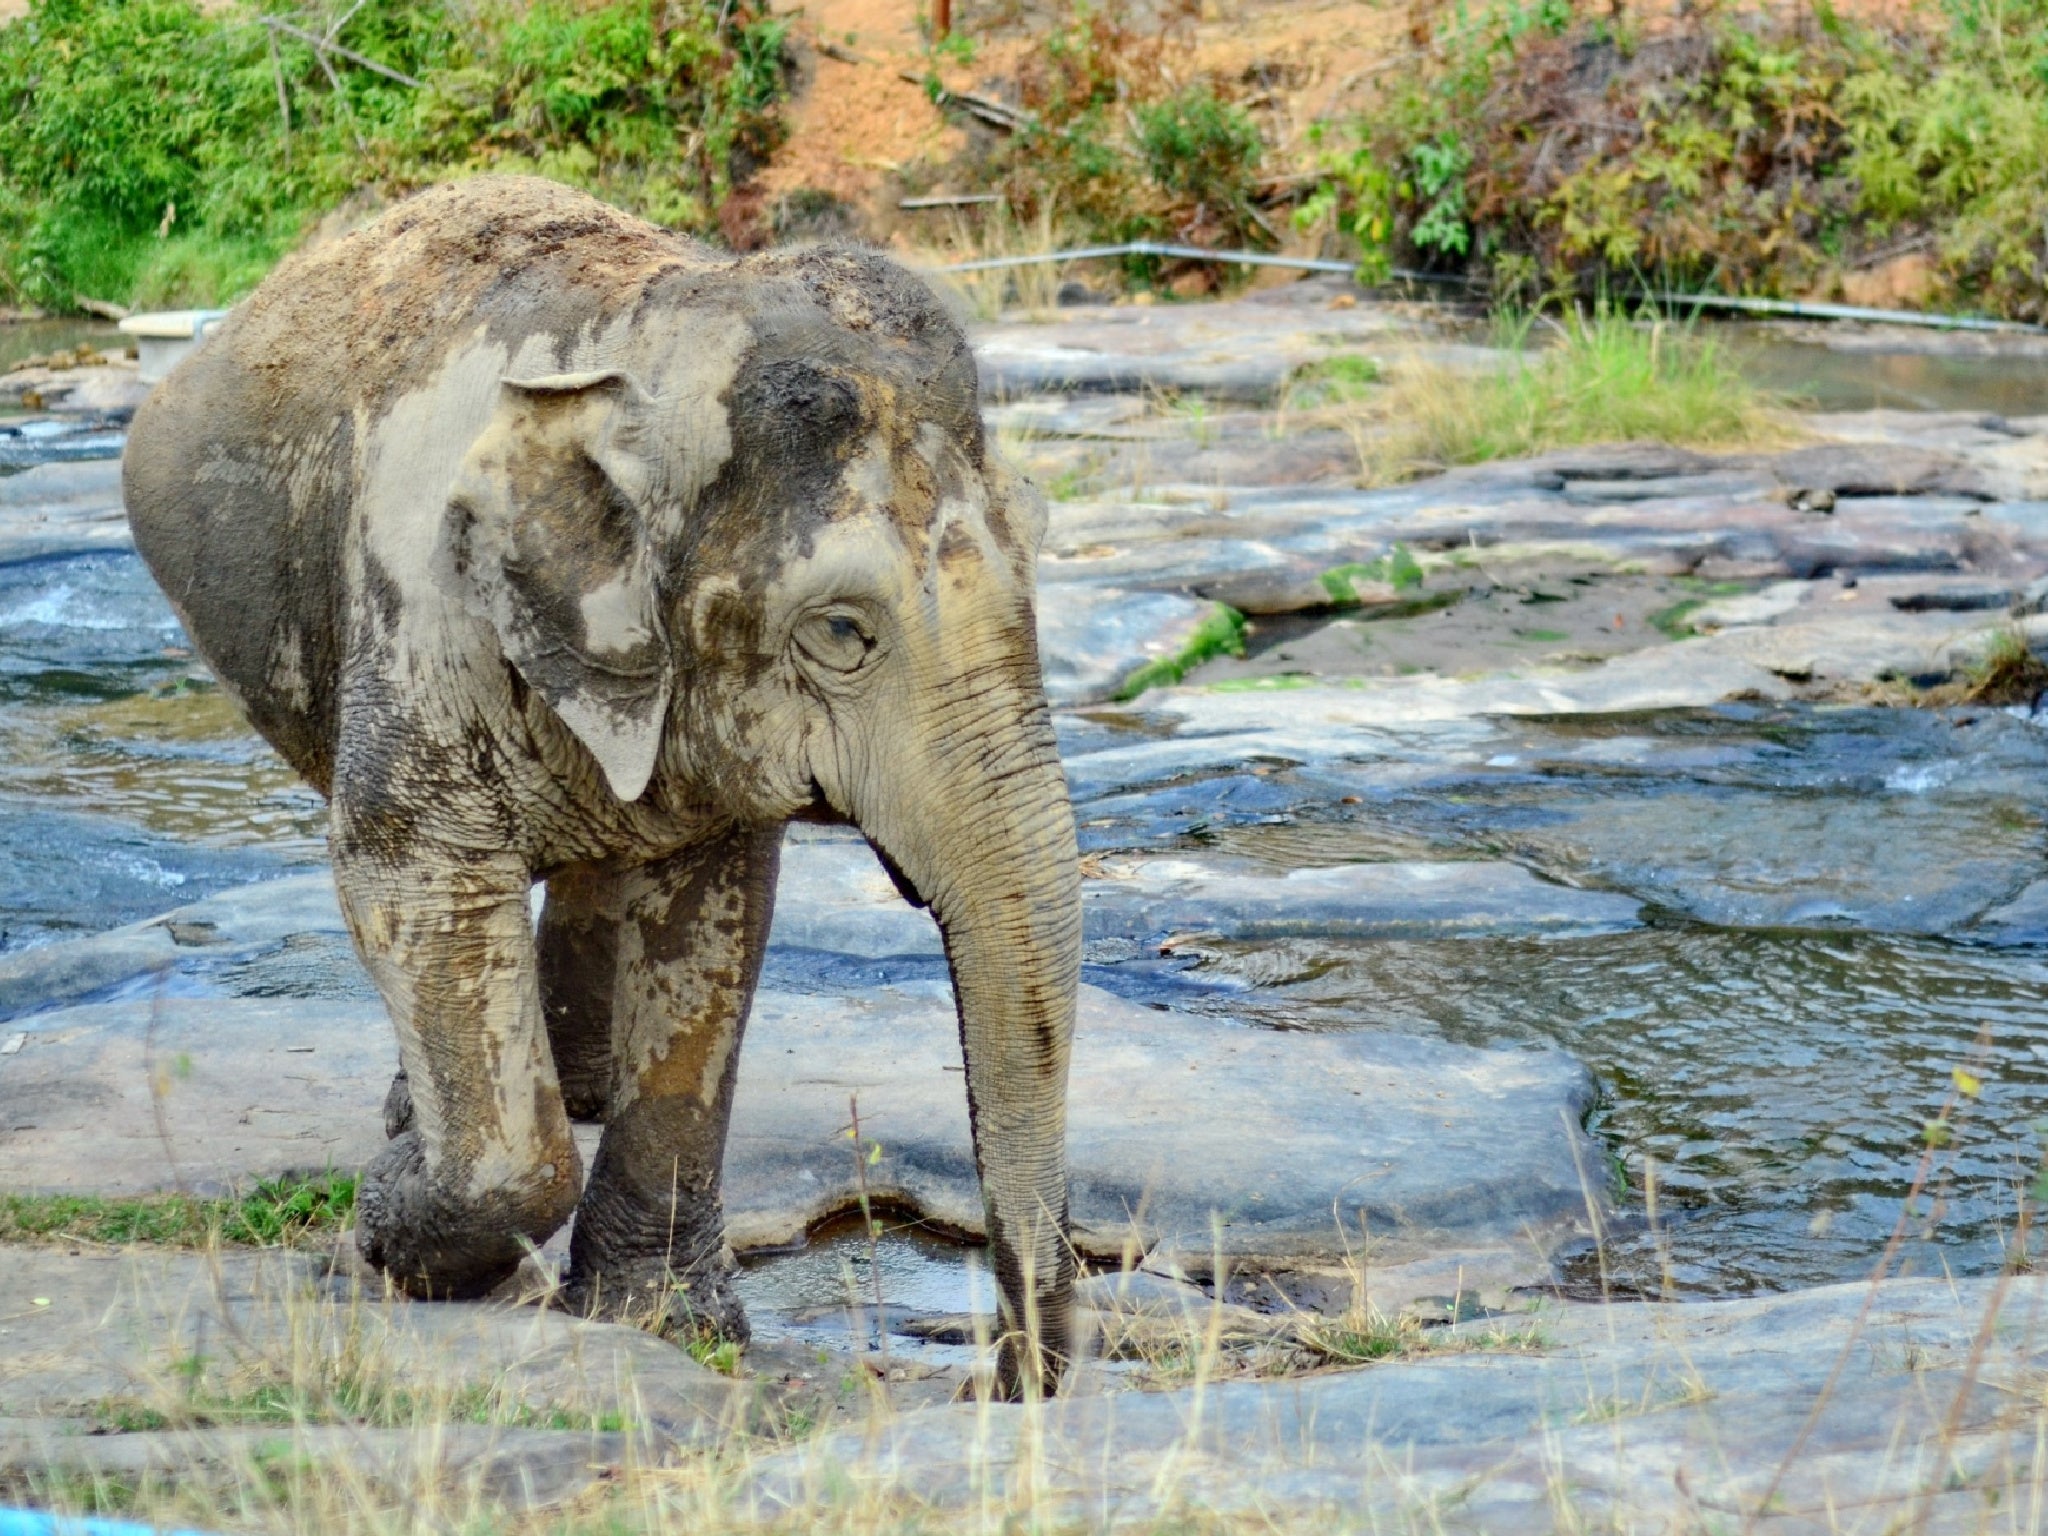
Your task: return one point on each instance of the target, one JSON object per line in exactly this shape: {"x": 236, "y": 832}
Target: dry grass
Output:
{"x": 990, "y": 233}
{"x": 315, "y": 1415}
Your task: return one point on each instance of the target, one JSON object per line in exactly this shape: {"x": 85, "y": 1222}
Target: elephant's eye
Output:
{"x": 836, "y": 639}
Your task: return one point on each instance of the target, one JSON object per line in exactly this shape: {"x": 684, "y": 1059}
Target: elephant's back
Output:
{"x": 243, "y": 467}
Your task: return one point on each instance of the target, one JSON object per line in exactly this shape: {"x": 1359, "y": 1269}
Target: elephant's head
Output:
{"x": 769, "y": 563}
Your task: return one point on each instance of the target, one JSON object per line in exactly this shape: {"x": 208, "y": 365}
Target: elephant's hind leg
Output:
{"x": 488, "y": 1167}
{"x": 650, "y": 1233}
{"x": 579, "y": 942}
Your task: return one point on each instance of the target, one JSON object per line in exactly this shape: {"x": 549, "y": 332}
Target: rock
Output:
{"x": 525, "y": 1469}
{"x": 126, "y": 1327}
{"x": 1772, "y": 603}
{"x": 1955, "y": 597}
{"x": 2021, "y": 920}
{"x": 1172, "y": 1118}
{"x": 1627, "y": 488}
{"x": 1091, "y": 640}
{"x": 108, "y": 389}
{"x": 834, "y": 896}
{"x": 1245, "y": 351}
{"x": 247, "y": 1089}
{"x": 62, "y": 509}
{"x": 239, "y": 923}
{"x": 1611, "y": 462}
{"x": 1623, "y": 1417}
{"x": 1878, "y": 469}
{"x": 1435, "y": 1146}
{"x": 1150, "y": 897}
{"x": 1296, "y": 587}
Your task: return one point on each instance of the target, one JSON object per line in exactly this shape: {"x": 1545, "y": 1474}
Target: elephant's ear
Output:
{"x": 549, "y": 540}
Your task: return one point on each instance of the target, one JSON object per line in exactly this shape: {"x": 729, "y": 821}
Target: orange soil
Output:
{"x": 853, "y": 124}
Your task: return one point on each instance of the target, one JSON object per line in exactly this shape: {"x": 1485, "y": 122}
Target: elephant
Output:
{"x": 552, "y": 547}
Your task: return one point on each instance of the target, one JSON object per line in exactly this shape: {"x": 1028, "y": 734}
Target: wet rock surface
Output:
{"x": 1558, "y": 830}
{"x": 1176, "y": 1122}
{"x": 1795, "y": 1413}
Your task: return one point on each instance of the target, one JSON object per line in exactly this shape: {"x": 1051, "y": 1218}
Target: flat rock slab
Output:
{"x": 836, "y": 897}
{"x": 1296, "y": 1143}
{"x": 1628, "y": 1417}
{"x": 126, "y": 1328}
{"x": 1175, "y": 1123}
{"x": 62, "y": 509}
{"x": 1243, "y": 350}
{"x": 1146, "y": 897}
{"x": 521, "y": 1468}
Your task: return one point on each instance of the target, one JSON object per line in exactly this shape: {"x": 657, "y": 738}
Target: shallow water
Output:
{"x": 128, "y": 784}
{"x": 1774, "y": 1085}
{"x": 1902, "y": 377}
{"x": 33, "y": 337}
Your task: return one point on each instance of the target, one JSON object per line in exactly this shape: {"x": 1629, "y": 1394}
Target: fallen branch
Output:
{"x": 995, "y": 113}
{"x": 951, "y": 200}
{"x": 833, "y": 50}
{"x": 102, "y": 308}
{"x": 324, "y": 46}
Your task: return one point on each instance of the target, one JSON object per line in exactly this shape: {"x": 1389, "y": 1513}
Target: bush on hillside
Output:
{"x": 145, "y": 154}
{"x": 1551, "y": 150}
{"x": 1124, "y": 146}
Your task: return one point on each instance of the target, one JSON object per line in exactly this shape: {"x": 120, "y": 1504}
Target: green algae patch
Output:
{"x": 1220, "y": 634}
{"x": 1398, "y": 569}
{"x": 1281, "y": 683}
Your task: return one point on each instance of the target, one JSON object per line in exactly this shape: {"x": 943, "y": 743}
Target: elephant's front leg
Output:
{"x": 650, "y": 1233}
{"x": 488, "y": 1166}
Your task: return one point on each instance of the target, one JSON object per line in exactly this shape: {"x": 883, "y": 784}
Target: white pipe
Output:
{"x": 1796, "y": 309}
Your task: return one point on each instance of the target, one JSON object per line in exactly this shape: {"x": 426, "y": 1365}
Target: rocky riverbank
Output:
{"x": 1507, "y": 892}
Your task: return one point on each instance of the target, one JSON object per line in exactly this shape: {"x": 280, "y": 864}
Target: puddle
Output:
{"x": 839, "y": 1292}
{"x": 834, "y": 1274}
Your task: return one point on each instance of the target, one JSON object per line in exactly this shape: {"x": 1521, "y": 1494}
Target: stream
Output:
{"x": 1770, "y": 1042}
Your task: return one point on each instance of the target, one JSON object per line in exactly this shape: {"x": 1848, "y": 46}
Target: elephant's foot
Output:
{"x": 587, "y": 1089}
{"x": 696, "y": 1303}
{"x": 435, "y": 1244}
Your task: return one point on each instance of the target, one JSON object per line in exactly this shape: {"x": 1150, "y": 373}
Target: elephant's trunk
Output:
{"x": 975, "y": 816}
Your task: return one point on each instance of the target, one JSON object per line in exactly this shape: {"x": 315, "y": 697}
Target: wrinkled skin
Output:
{"x": 550, "y": 546}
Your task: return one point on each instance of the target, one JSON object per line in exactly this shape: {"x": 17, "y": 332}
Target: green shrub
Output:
{"x": 1120, "y": 148}
{"x": 144, "y": 154}
{"x": 1551, "y": 152}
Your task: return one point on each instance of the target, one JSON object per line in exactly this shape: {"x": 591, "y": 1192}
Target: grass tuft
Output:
{"x": 2009, "y": 674}
{"x": 1608, "y": 379}
{"x": 277, "y": 1213}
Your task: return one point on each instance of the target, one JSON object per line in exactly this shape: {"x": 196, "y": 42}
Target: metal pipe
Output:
{"x": 1187, "y": 253}
{"x": 1815, "y": 309}
{"x": 1794, "y": 309}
